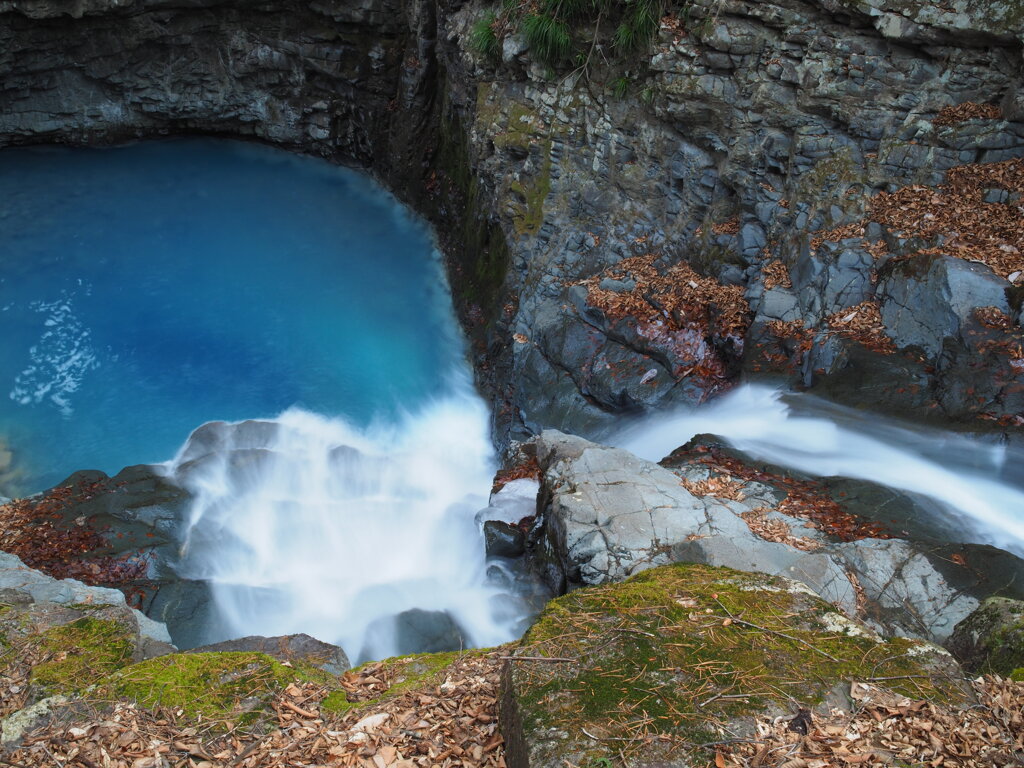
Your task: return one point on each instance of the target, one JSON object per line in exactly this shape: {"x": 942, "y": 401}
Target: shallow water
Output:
{"x": 151, "y": 288}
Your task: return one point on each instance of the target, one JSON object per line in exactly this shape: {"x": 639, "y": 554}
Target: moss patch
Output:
{"x": 403, "y": 672}
{"x": 681, "y": 650}
{"x": 215, "y": 685}
{"x": 77, "y": 654}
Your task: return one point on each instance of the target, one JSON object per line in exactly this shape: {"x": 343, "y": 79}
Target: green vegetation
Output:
{"x": 76, "y": 654}
{"x": 483, "y": 38}
{"x": 686, "y": 648}
{"x": 215, "y": 685}
{"x": 559, "y": 31}
{"x": 404, "y": 672}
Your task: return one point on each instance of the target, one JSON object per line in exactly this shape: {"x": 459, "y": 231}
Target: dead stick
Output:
{"x": 534, "y": 658}
{"x": 299, "y": 710}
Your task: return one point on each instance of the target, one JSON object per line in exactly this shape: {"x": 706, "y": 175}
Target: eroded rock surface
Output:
{"x": 608, "y": 514}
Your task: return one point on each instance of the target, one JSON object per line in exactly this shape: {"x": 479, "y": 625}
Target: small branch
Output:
{"x": 298, "y": 710}
{"x": 893, "y": 677}
{"x": 723, "y": 696}
{"x": 635, "y": 631}
{"x": 726, "y": 742}
{"x": 535, "y": 658}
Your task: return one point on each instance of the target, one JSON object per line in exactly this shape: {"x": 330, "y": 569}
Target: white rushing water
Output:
{"x": 308, "y": 524}
{"x": 975, "y": 483}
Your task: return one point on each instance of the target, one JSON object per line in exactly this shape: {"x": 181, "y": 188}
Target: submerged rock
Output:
{"x": 503, "y": 539}
{"x": 991, "y": 639}
{"x": 690, "y": 654}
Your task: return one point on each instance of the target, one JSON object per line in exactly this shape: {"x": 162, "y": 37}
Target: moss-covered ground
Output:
{"x": 401, "y": 673}
{"x": 677, "y": 652}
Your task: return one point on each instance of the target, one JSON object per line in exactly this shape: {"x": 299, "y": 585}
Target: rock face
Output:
{"x": 991, "y": 639}
{"x": 291, "y": 648}
{"x": 71, "y": 633}
{"x": 668, "y": 653}
{"x": 23, "y": 586}
{"x": 608, "y": 515}
{"x": 746, "y": 129}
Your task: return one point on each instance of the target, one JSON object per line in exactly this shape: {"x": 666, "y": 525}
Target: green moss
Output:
{"x": 405, "y": 673}
{"x": 533, "y": 193}
{"x": 1018, "y": 675}
{"x": 481, "y": 255}
{"x": 684, "y": 647}
{"x": 215, "y": 685}
{"x": 79, "y": 653}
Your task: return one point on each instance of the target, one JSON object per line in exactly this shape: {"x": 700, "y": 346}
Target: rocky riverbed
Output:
{"x": 826, "y": 192}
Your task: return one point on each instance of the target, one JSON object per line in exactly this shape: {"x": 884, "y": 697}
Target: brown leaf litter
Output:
{"x": 697, "y": 322}
{"x": 972, "y": 229}
{"x": 805, "y": 500}
{"x": 776, "y": 530}
{"x": 863, "y": 324}
{"x": 39, "y": 531}
{"x": 452, "y": 724}
{"x": 776, "y": 274}
{"x": 885, "y": 729}
{"x": 969, "y": 110}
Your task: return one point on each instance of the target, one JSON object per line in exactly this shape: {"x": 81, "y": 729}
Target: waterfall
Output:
{"x": 974, "y": 482}
{"x": 355, "y": 536}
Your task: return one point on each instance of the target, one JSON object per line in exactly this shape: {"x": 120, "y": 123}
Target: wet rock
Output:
{"x": 609, "y": 514}
{"x": 503, "y": 539}
{"x": 927, "y": 299}
{"x": 414, "y": 631}
{"x": 991, "y": 639}
{"x": 291, "y": 648}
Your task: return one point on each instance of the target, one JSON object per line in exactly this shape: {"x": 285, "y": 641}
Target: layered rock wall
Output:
{"x": 747, "y": 137}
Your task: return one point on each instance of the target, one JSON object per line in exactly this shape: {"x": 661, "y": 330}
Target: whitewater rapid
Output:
{"x": 310, "y": 524}
{"x": 974, "y": 483}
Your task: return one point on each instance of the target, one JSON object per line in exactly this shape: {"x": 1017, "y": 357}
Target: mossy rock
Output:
{"x": 224, "y": 685}
{"x": 991, "y": 639}
{"x": 62, "y": 650}
{"x": 404, "y": 673}
{"x": 681, "y": 655}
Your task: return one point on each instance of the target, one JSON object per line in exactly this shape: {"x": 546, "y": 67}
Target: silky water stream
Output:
{"x": 301, "y": 316}
{"x": 151, "y": 288}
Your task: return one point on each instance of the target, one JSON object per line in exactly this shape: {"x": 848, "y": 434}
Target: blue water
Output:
{"x": 147, "y": 289}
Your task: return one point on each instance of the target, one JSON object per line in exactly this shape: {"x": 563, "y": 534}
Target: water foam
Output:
{"x": 966, "y": 477}
{"x": 59, "y": 360}
{"x": 310, "y": 524}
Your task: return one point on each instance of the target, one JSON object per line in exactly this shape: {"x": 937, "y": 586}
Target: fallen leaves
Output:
{"x": 695, "y": 321}
{"x": 41, "y": 532}
{"x": 721, "y": 487}
{"x": 528, "y": 469}
{"x": 451, "y": 723}
{"x": 775, "y": 530}
{"x": 776, "y": 274}
{"x": 969, "y": 110}
{"x": 885, "y": 729}
{"x": 957, "y": 214}
{"x": 863, "y": 324}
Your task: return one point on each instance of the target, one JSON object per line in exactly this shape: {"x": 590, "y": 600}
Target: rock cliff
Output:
{"x": 748, "y": 142}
